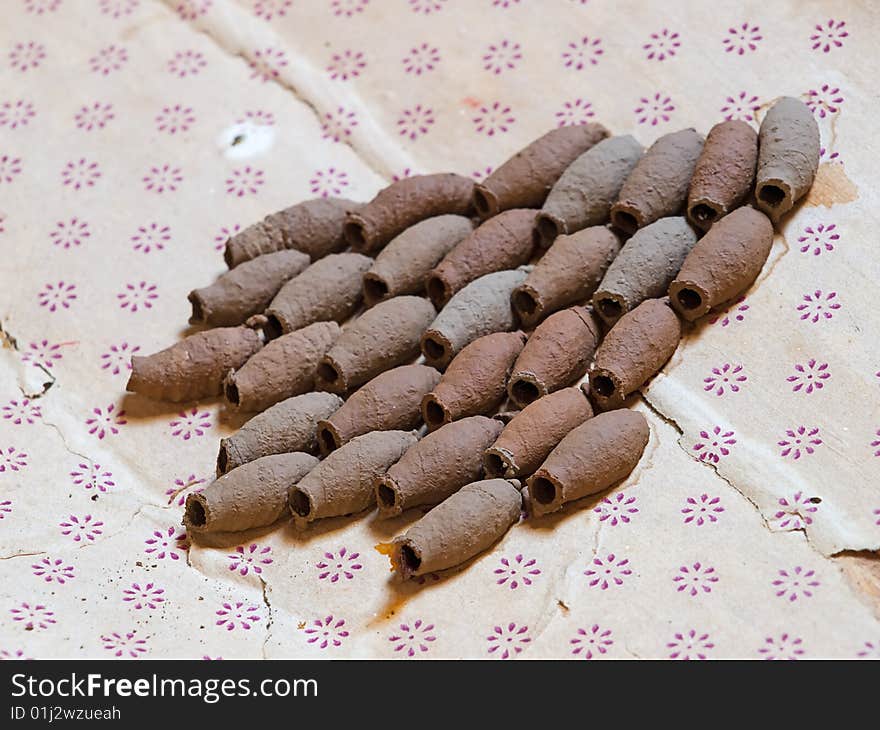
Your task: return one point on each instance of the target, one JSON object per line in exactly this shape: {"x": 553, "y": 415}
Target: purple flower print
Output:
{"x": 481, "y": 174}
{"x": 818, "y": 239}
{"x": 186, "y": 63}
{"x": 407, "y": 172}
{"x": 329, "y": 182}
{"x": 53, "y": 571}
{"x": 784, "y": 646}
{"x": 493, "y": 119}
{"x": 9, "y": 654}
{"x": 33, "y": 616}
{"x": 876, "y": 442}
{"x": 27, "y": 56}
{"x": 190, "y": 423}
{"x": 794, "y": 512}
{"x": 341, "y": 564}
{"x": 616, "y": 509}
{"x": 16, "y": 114}
{"x": 10, "y": 168}
{"x": 268, "y": 9}
{"x": 118, "y": 358}
{"x": 104, "y": 421}
{"x": 824, "y": 101}
{"x": 109, "y": 59}
{"x": 502, "y": 56}
{"x": 740, "y": 106}
{"x": 225, "y": 233}
{"x": 796, "y": 582}
{"x": 877, "y": 515}
{"x": 742, "y": 38}
{"x": 715, "y": 444}
{"x": 143, "y": 596}
{"x": 70, "y": 234}
{"x": 91, "y": 476}
{"x": 22, "y": 411}
{"x": 159, "y": 179}
{"x": 81, "y": 529}
{"x": 573, "y": 113}
{"x": 249, "y": 559}
{"x": 38, "y": 7}
{"x": 267, "y": 63}
{"x": 800, "y": 440}
{"x": 245, "y": 180}
{"x": 2, "y": 220}
{"x": 870, "y": 650}
{"x": 257, "y": 117}
{"x": 421, "y": 59}
{"x": 347, "y": 8}
{"x": 592, "y": 642}
{"x": 415, "y": 122}
{"x": 174, "y": 119}
{"x": 818, "y": 305}
{"x": 135, "y": 296}
{"x": 702, "y": 510}
{"x": 327, "y": 632}
{"x": 347, "y": 65}
{"x": 150, "y": 237}
{"x": 180, "y": 486}
{"x": 809, "y": 376}
{"x": 690, "y": 645}
{"x": 43, "y": 354}
{"x": 338, "y": 125}
{"x": 516, "y": 571}
{"x": 125, "y": 644}
{"x": 654, "y": 109}
{"x": 504, "y": 4}
{"x": 11, "y": 459}
{"x": 608, "y": 571}
{"x": 192, "y": 9}
{"x": 94, "y": 116}
{"x": 411, "y": 638}
{"x": 168, "y": 543}
{"x": 80, "y": 174}
{"x": 827, "y": 155}
{"x": 581, "y": 53}
{"x": 734, "y": 313}
{"x": 506, "y": 641}
{"x": 725, "y": 378}
{"x": 6, "y": 508}
{"x": 695, "y": 579}
{"x": 828, "y": 35}
{"x": 426, "y": 6}
{"x": 662, "y": 45}
{"x": 118, "y": 8}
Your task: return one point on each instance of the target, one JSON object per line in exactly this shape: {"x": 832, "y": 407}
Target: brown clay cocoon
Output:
{"x": 437, "y": 466}
{"x": 382, "y": 337}
{"x": 535, "y": 431}
{"x": 658, "y": 185}
{"x": 557, "y": 354}
{"x": 526, "y": 178}
{"x": 343, "y": 483}
{"x": 589, "y": 459}
{"x": 194, "y": 367}
{"x": 389, "y": 402}
{"x": 644, "y": 268}
{"x": 405, "y": 203}
{"x": 723, "y": 264}
{"x": 329, "y": 290}
{"x": 246, "y": 290}
{"x": 568, "y": 273}
{"x": 253, "y": 495}
{"x": 788, "y": 156}
{"x": 465, "y": 524}
{"x": 584, "y": 194}
{"x": 401, "y": 267}
{"x": 633, "y": 351}
{"x": 473, "y": 384}
{"x": 481, "y": 308}
{"x": 724, "y": 173}
{"x": 313, "y": 227}
{"x": 502, "y": 242}
{"x": 290, "y": 425}
{"x": 283, "y": 368}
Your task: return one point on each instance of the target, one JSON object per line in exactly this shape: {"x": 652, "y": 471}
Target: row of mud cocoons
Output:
{"x": 578, "y": 234}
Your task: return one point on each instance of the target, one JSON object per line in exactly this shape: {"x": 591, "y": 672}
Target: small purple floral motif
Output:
{"x": 225, "y": 233}
{"x": 346, "y": 65}
{"x": 341, "y": 564}
{"x": 800, "y": 440}
{"x": 877, "y": 515}
{"x": 819, "y": 238}
{"x": 268, "y": 9}
{"x": 53, "y": 571}
{"x": 504, "y": 4}
{"x": 81, "y": 528}
{"x": 412, "y": 638}
{"x": 38, "y": 7}
{"x": 33, "y": 616}
{"x": 91, "y": 476}
{"x": 192, "y": 9}
{"x": 10, "y": 167}
{"x": 784, "y": 646}
{"x": 80, "y": 174}
{"x": 109, "y": 59}
{"x": 481, "y": 174}
{"x": 415, "y": 122}
{"x": 690, "y": 645}
{"x": 251, "y": 558}
{"x": 43, "y": 354}
{"x": 169, "y": 543}
{"x": 695, "y": 579}
{"x": 152, "y": 236}
{"x": 245, "y": 180}
{"x": 9, "y": 654}
{"x": 827, "y": 155}
{"x": 180, "y": 486}
{"x": 94, "y": 116}
{"x": 741, "y": 106}
{"x": 870, "y": 650}
{"x": 507, "y": 641}
{"x": 26, "y": 56}
{"x": 118, "y": 357}
{"x": 616, "y": 509}
{"x": 174, "y": 119}
{"x": 328, "y": 182}
{"x": 16, "y": 114}
{"x": 794, "y": 512}
{"x": 702, "y": 510}
{"x": 267, "y": 63}
{"x": 502, "y": 56}
{"x": 581, "y": 53}
{"x": 573, "y": 113}
{"x": 493, "y": 119}
{"x": 104, "y": 421}
{"x": 407, "y": 172}
{"x": 426, "y": 6}
{"x": 796, "y": 582}
{"x": 608, "y": 571}
{"x": 137, "y": 295}
{"x": 726, "y": 377}
{"x": 6, "y": 509}
{"x": 662, "y": 45}
{"x": 257, "y": 117}
{"x": 825, "y": 100}
{"x": 23, "y": 411}
{"x": 11, "y": 459}
{"x": 70, "y": 234}
{"x": 715, "y": 444}
{"x": 734, "y": 313}
{"x": 654, "y": 109}
{"x": 421, "y": 59}
{"x": 809, "y": 376}
{"x": 338, "y": 125}
{"x": 161, "y": 179}
{"x": 190, "y": 423}
{"x": 516, "y": 571}
{"x": 348, "y": 7}
{"x": 742, "y": 38}
{"x": 876, "y": 442}
{"x": 144, "y": 596}
{"x": 818, "y": 306}
{"x": 186, "y": 63}
{"x": 326, "y": 632}
{"x": 121, "y": 644}
{"x": 118, "y": 8}
{"x": 828, "y": 35}
{"x": 592, "y": 642}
